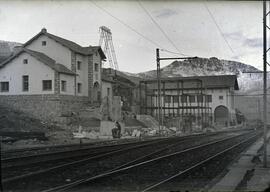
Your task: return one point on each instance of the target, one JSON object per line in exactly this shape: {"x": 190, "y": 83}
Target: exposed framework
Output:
{"x": 177, "y": 100}
{"x": 106, "y": 44}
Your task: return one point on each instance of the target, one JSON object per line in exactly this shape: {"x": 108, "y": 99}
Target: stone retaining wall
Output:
{"x": 48, "y": 108}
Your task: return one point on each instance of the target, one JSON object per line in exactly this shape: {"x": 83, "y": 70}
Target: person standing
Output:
{"x": 118, "y": 126}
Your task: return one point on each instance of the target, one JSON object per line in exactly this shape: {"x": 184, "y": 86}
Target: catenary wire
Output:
{"x": 131, "y": 28}
{"x": 160, "y": 28}
{"x": 219, "y": 29}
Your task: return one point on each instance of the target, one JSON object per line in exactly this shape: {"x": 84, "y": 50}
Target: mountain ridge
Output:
{"x": 7, "y": 48}
{"x": 248, "y": 82}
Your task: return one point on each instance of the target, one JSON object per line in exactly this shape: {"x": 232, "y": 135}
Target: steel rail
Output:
{"x": 198, "y": 164}
{"x": 111, "y": 172}
{"x": 44, "y": 157}
{"x": 7, "y": 180}
{"x": 44, "y": 149}
{"x": 74, "y": 146}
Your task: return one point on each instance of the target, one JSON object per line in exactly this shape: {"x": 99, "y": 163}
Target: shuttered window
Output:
{"x": 25, "y": 83}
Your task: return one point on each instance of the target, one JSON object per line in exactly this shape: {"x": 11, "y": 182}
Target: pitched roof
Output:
{"x": 216, "y": 81}
{"x": 43, "y": 58}
{"x": 69, "y": 44}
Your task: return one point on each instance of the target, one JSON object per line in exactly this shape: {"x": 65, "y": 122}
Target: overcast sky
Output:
{"x": 191, "y": 28}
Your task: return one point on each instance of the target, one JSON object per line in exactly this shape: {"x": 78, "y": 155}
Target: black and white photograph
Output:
{"x": 134, "y": 96}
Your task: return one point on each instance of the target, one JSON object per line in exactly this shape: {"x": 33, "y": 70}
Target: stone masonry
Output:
{"x": 48, "y": 108}
{"x": 73, "y": 68}
{"x": 90, "y": 77}
{"x": 56, "y": 83}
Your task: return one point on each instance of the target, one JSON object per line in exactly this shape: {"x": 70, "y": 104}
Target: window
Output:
{"x": 220, "y": 97}
{"x": 192, "y": 98}
{"x": 175, "y": 99}
{"x": 96, "y": 77}
{"x": 25, "y": 81}
{"x": 44, "y": 43}
{"x": 209, "y": 98}
{"x": 167, "y": 99}
{"x": 183, "y": 98}
{"x": 108, "y": 91}
{"x": 47, "y": 85}
{"x": 96, "y": 67}
{"x": 199, "y": 98}
{"x": 79, "y": 65}
{"x": 4, "y": 86}
{"x": 79, "y": 88}
{"x": 25, "y": 61}
{"x": 63, "y": 86}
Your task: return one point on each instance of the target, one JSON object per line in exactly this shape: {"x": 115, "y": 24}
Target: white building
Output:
{"x": 49, "y": 76}
{"x": 203, "y": 99}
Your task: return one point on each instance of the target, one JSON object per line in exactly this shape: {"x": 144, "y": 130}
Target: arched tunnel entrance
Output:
{"x": 221, "y": 115}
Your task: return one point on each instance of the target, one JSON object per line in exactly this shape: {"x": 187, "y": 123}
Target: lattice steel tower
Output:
{"x": 106, "y": 44}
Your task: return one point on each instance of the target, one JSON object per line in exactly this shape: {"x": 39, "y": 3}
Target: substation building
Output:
{"x": 191, "y": 103}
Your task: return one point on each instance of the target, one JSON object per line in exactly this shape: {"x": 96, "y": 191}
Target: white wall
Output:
{"x": 36, "y": 71}
{"x": 52, "y": 49}
{"x": 215, "y": 98}
{"x": 70, "y": 84}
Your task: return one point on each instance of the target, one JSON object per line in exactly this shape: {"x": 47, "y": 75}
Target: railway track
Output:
{"x": 41, "y": 163}
{"x": 62, "y": 174}
{"x": 13, "y": 153}
{"x": 174, "y": 171}
{"x": 73, "y": 151}
{"x": 34, "y": 170}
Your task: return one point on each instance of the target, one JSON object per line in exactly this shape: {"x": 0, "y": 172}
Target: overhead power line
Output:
{"x": 219, "y": 29}
{"x": 131, "y": 28}
{"x": 160, "y": 28}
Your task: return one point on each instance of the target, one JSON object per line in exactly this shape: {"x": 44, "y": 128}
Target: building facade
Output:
{"x": 50, "y": 76}
{"x": 201, "y": 100}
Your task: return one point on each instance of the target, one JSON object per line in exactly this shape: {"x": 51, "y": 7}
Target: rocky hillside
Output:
{"x": 7, "y": 48}
{"x": 200, "y": 67}
{"x": 248, "y": 82}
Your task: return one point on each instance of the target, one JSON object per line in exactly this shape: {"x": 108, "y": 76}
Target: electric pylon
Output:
{"x": 106, "y": 43}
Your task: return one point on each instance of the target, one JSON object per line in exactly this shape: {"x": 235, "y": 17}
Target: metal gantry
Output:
{"x": 106, "y": 44}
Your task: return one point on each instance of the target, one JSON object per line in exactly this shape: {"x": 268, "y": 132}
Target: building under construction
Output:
{"x": 190, "y": 102}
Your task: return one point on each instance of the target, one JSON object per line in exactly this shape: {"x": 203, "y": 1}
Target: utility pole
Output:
{"x": 264, "y": 85}
{"x": 259, "y": 110}
{"x": 158, "y": 58}
{"x": 158, "y": 89}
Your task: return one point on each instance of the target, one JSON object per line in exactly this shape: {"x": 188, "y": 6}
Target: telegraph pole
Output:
{"x": 264, "y": 85}
{"x": 160, "y": 117}
{"x": 259, "y": 110}
{"x": 158, "y": 89}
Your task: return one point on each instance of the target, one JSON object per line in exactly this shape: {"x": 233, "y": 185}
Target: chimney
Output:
{"x": 44, "y": 30}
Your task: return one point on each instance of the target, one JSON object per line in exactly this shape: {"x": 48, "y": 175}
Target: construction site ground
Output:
{"x": 56, "y": 134}
{"x": 59, "y": 134}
